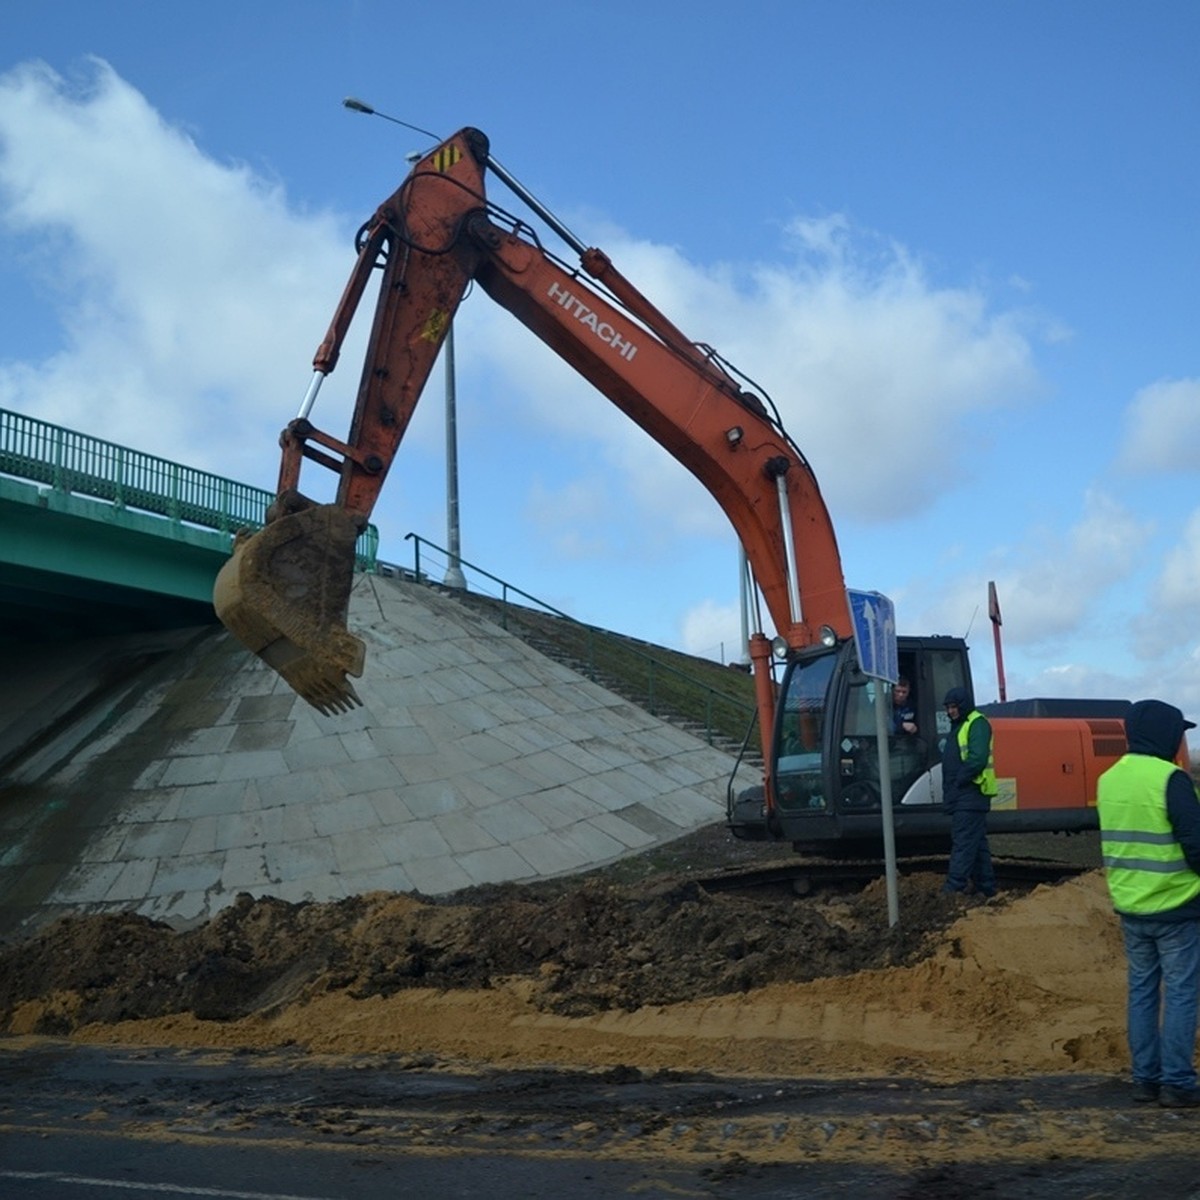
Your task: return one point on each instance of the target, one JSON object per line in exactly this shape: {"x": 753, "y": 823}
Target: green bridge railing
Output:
{"x": 76, "y": 463}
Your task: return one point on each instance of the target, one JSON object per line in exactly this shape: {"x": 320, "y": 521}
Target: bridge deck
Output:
{"x": 99, "y": 538}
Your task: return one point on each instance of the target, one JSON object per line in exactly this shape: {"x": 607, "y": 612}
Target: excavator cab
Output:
{"x": 825, "y": 776}
{"x": 826, "y": 763}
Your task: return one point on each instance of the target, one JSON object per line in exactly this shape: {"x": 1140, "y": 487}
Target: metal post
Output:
{"x": 883, "y": 704}
{"x": 789, "y": 545}
{"x": 744, "y": 586}
{"x": 454, "y": 575}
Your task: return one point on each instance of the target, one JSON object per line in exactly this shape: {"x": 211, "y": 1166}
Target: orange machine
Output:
{"x": 285, "y": 591}
{"x": 429, "y": 241}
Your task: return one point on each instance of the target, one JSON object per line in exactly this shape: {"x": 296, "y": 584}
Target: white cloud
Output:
{"x": 711, "y": 630}
{"x": 570, "y": 518}
{"x": 1178, "y": 586}
{"x": 1162, "y": 427}
{"x": 1178, "y": 682}
{"x": 191, "y": 296}
{"x": 1048, "y": 585}
{"x": 1175, "y": 679}
{"x": 1070, "y": 679}
{"x": 861, "y": 354}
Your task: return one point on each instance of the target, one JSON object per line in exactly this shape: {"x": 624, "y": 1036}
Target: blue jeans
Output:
{"x": 1164, "y": 984}
{"x": 970, "y": 854}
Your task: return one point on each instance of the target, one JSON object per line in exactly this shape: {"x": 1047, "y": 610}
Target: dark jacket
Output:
{"x": 959, "y": 793}
{"x": 1156, "y": 728}
{"x": 902, "y": 714}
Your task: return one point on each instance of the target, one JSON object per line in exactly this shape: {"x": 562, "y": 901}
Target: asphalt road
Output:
{"x": 99, "y": 1123}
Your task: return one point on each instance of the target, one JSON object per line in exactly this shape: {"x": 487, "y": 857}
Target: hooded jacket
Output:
{"x": 959, "y": 791}
{"x": 1153, "y": 731}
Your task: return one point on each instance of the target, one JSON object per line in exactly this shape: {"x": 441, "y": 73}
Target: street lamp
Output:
{"x": 454, "y": 576}
{"x": 356, "y": 105}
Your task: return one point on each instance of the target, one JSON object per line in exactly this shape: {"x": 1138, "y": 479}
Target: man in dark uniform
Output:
{"x": 968, "y": 785}
{"x": 904, "y": 716}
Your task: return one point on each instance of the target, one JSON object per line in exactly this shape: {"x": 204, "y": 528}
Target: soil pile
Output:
{"x": 588, "y": 949}
{"x": 657, "y": 972}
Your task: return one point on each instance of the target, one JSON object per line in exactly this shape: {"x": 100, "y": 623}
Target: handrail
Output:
{"x": 505, "y": 587}
{"x": 653, "y": 666}
{"x": 77, "y": 463}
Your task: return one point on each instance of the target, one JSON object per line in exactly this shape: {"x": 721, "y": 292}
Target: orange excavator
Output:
{"x": 285, "y": 591}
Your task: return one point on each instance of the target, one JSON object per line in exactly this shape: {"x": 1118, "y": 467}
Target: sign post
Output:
{"x": 874, "y": 620}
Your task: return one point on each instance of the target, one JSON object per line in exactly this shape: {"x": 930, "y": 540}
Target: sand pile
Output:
{"x": 1030, "y": 985}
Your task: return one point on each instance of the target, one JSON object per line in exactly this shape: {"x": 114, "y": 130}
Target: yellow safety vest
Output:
{"x": 986, "y": 779}
{"x": 1144, "y": 864}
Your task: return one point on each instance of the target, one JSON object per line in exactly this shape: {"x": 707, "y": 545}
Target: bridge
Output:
{"x": 149, "y": 764}
{"x": 98, "y": 539}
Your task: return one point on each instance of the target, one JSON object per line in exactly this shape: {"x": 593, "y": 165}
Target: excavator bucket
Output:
{"x": 285, "y": 593}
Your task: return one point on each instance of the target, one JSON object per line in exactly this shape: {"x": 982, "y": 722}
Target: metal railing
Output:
{"x": 76, "y": 463}
{"x": 605, "y": 655}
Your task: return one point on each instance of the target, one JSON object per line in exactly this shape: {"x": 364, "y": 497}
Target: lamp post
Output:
{"x": 454, "y": 576}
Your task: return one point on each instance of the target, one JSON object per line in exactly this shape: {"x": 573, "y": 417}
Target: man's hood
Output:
{"x": 1154, "y": 727}
{"x": 961, "y": 697}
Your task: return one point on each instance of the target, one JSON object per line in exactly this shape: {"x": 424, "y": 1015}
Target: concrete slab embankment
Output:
{"x": 197, "y": 774}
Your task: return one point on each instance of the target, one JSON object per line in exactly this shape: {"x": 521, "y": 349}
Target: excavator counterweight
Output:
{"x": 285, "y": 594}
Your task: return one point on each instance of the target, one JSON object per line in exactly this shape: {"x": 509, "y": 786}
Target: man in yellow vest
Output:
{"x": 1150, "y": 838}
{"x": 968, "y": 785}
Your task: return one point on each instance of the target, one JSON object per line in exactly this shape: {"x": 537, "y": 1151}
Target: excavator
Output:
{"x": 284, "y": 593}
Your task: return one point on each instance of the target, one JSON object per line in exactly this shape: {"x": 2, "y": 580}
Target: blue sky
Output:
{"x": 956, "y": 243}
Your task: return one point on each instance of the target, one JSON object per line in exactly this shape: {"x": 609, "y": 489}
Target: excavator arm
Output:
{"x": 285, "y": 591}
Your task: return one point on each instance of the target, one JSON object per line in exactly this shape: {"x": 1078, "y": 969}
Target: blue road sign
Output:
{"x": 874, "y": 619}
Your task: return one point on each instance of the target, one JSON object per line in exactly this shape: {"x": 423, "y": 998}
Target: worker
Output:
{"x": 904, "y": 716}
{"x": 1150, "y": 839}
{"x": 968, "y": 785}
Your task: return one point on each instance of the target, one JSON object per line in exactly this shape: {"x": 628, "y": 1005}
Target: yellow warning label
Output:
{"x": 446, "y": 157}
{"x": 435, "y": 325}
{"x": 1006, "y": 794}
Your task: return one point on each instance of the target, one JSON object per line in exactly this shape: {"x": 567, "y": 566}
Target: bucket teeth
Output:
{"x": 284, "y": 594}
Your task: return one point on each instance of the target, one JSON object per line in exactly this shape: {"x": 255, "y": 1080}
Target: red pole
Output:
{"x": 994, "y": 614}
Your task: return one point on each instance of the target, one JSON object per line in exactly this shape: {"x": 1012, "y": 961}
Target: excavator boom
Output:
{"x": 285, "y": 591}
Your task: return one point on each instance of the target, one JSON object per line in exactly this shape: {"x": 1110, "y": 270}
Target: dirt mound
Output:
{"x": 585, "y": 948}
{"x": 643, "y": 973}
{"x": 640, "y": 964}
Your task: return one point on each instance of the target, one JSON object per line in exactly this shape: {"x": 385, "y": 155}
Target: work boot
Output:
{"x": 1173, "y": 1097}
{"x": 1145, "y": 1093}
